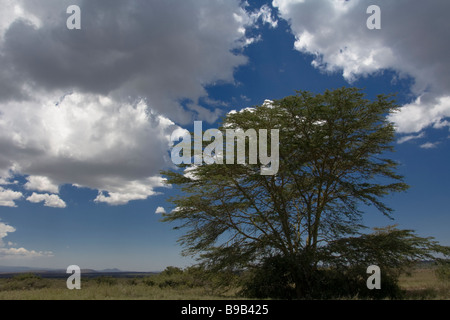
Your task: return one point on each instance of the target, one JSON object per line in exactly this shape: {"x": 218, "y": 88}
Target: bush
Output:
{"x": 352, "y": 282}
{"x": 148, "y": 281}
{"x": 170, "y": 271}
{"x": 133, "y": 282}
{"x": 172, "y": 283}
{"x": 274, "y": 279}
{"x": 106, "y": 280}
{"x": 26, "y": 281}
{"x": 443, "y": 271}
{"x": 271, "y": 279}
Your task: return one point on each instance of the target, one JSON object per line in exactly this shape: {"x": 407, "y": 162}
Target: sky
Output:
{"x": 86, "y": 114}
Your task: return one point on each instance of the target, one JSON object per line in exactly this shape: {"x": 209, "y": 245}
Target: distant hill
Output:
{"x": 9, "y": 269}
{"x": 17, "y": 269}
{"x": 8, "y": 272}
{"x": 110, "y": 270}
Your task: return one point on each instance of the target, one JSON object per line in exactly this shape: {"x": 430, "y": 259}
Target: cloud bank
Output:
{"x": 413, "y": 41}
{"x": 7, "y": 252}
{"x": 95, "y": 107}
{"x": 7, "y": 197}
{"x": 50, "y": 200}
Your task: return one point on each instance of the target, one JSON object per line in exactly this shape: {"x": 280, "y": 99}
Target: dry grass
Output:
{"x": 424, "y": 284}
{"x": 104, "y": 292}
{"x": 421, "y": 284}
{"x": 104, "y": 289}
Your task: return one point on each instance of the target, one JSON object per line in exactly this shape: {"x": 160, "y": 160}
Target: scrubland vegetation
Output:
{"x": 428, "y": 283}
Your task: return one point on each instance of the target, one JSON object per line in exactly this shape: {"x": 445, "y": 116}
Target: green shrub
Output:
{"x": 148, "y": 281}
{"x": 170, "y": 271}
{"x": 104, "y": 280}
{"x": 271, "y": 279}
{"x": 171, "y": 283}
{"x": 443, "y": 271}
{"x": 25, "y": 281}
{"x": 133, "y": 282}
{"x": 274, "y": 279}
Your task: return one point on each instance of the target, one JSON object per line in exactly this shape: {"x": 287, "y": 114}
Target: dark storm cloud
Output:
{"x": 95, "y": 107}
{"x": 162, "y": 50}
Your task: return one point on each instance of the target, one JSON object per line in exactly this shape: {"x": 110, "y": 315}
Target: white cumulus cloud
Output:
{"x": 95, "y": 107}
{"x": 4, "y": 230}
{"x": 413, "y": 41}
{"x": 41, "y": 184}
{"x": 14, "y": 253}
{"x": 22, "y": 253}
{"x": 429, "y": 145}
{"x": 160, "y": 210}
{"x": 86, "y": 140}
{"x": 50, "y": 200}
{"x": 420, "y": 114}
{"x": 7, "y": 197}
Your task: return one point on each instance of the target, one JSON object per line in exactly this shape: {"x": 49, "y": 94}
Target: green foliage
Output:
{"x": 443, "y": 271}
{"x": 422, "y": 283}
{"x": 334, "y": 157}
{"x": 393, "y": 250}
{"x": 25, "y": 281}
{"x": 194, "y": 277}
{"x": 342, "y": 269}
{"x": 330, "y": 156}
{"x": 149, "y": 281}
{"x": 26, "y": 277}
{"x": 133, "y": 282}
{"x": 169, "y": 271}
{"x": 271, "y": 279}
{"x": 105, "y": 280}
{"x": 274, "y": 279}
{"x": 174, "y": 277}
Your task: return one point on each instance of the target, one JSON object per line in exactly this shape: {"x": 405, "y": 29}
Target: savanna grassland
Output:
{"x": 422, "y": 283}
{"x": 171, "y": 284}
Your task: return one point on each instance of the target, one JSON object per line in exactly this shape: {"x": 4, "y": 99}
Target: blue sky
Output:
{"x": 85, "y": 115}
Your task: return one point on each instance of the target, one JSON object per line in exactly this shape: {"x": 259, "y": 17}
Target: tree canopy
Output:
{"x": 334, "y": 156}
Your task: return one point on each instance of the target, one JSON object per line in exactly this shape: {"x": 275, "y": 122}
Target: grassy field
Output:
{"x": 121, "y": 290}
{"x": 422, "y": 284}
{"x": 156, "y": 287}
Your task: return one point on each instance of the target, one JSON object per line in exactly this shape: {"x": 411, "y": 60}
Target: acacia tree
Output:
{"x": 333, "y": 156}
